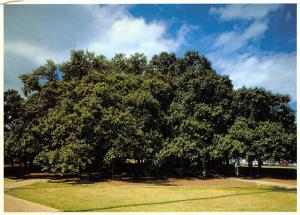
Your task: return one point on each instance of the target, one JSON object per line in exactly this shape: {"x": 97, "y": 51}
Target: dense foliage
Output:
{"x": 91, "y": 112}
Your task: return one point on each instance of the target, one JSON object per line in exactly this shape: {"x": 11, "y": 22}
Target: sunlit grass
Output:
{"x": 95, "y": 197}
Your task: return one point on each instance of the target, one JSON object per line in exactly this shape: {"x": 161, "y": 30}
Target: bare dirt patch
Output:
{"x": 268, "y": 183}
{"x": 12, "y": 204}
{"x": 20, "y": 183}
{"x": 282, "y": 181}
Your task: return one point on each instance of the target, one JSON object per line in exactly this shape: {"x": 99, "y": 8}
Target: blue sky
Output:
{"x": 254, "y": 44}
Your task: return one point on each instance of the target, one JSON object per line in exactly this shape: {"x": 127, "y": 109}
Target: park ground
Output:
{"x": 174, "y": 195}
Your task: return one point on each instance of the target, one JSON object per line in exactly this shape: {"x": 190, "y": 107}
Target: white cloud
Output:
{"x": 233, "y": 40}
{"x": 111, "y": 29}
{"x": 254, "y": 30}
{"x": 30, "y": 52}
{"x": 275, "y": 71}
{"x": 243, "y": 11}
{"x": 225, "y": 38}
{"x": 234, "y": 53}
{"x": 129, "y": 35}
{"x": 34, "y": 34}
{"x": 22, "y": 57}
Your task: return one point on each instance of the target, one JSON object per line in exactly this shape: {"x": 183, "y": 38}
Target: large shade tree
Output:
{"x": 91, "y": 112}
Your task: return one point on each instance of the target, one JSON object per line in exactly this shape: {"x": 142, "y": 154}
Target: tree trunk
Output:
{"x": 181, "y": 167}
{"x": 112, "y": 169}
{"x": 227, "y": 162}
{"x": 203, "y": 166}
{"x": 157, "y": 172}
{"x": 137, "y": 170}
{"x": 259, "y": 168}
{"x": 237, "y": 167}
{"x": 218, "y": 164}
{"x": 30, "y": 165}
{"x": 250, "y": 165}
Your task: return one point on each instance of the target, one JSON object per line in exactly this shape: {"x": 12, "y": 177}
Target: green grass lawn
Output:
{"x": 97, "y": 197}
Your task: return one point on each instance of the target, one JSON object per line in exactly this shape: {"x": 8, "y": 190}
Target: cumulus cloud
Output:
{"x": 34, "y": 33}
{"x": 105, "y": 29}
{"x": 31, "y": 52}
{"x": 243, "y": 11}
{"x": 273, "y": 71}
{"x": 234, "y": 53}
{"x": 130, "y": 35}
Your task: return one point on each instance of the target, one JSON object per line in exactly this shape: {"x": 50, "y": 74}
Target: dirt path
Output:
{"x": 24, "y": 182}
{"x": 13, "y": 204}
{"x": 262, "y": 182}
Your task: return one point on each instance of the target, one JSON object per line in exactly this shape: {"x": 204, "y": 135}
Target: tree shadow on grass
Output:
{"x": 283, "y": 189}
{"x": 74, "y": 185}
{"x": 273, "y": 189}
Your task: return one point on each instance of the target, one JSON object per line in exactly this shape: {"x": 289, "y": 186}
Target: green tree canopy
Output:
{"x": 90, "y": 111}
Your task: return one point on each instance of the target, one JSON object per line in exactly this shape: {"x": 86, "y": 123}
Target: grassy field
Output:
{"x": 151, "y": 198}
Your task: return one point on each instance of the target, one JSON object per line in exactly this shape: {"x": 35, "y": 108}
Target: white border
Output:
{"x": 2, "y": 2}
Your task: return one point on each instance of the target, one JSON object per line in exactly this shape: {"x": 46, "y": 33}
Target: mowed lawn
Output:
{"x": 153, "y": 198}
